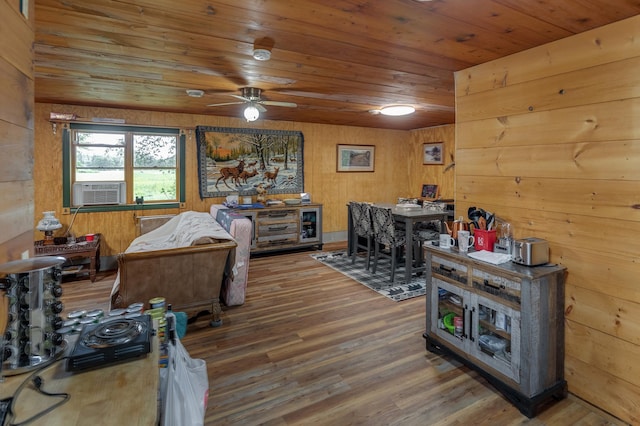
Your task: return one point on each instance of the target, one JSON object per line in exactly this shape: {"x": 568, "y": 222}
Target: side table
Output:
{"x": 80, "y": 249}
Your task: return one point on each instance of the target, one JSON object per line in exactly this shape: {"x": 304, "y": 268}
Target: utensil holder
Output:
{"x": 484, "y": 239}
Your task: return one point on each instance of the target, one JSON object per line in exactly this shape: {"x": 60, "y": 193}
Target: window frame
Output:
{"x": 67, "y": 167}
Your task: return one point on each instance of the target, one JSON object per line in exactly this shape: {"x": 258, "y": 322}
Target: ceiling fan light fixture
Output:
{"x": 195, "y": 93}
{"x": 397, "y": 110}
{"x": 251, "y": 113}
{"x": 261, "y": 54}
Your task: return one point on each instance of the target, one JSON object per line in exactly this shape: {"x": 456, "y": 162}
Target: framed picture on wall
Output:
{"x": 239, "y": 161}
{"x": 430, "y": 192}
{"x": 356, "y": 158}
{"x": 432, "y": 153}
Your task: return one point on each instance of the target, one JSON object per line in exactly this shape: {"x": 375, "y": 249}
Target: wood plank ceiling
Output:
{"x": 337, "y": 60}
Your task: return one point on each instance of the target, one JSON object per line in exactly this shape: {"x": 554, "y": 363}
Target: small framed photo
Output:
{"x": 430, "y": 192}
{"x": 356, "y": 158}
{"x": 432, "y": 153}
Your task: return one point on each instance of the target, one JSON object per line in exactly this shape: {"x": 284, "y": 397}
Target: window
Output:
{"x": 146, "y": 163}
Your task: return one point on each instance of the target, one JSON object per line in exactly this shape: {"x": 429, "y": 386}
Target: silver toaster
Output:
{"x": 530, "y": 251}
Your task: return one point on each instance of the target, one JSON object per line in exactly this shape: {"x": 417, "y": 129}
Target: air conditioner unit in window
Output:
{"x": 99, "y": 193}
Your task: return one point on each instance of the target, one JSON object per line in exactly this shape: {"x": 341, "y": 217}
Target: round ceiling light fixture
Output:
{"x": 251, "y": 113}
{"x": 397, "y": 110}
{"x": 195, "y": 93}
{"x": 261, "y": 54}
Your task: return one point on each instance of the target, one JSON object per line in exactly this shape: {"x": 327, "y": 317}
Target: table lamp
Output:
{"x": 48, "y": 224}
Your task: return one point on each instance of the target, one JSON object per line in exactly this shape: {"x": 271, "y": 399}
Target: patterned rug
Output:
{"x": 398, "y": 290}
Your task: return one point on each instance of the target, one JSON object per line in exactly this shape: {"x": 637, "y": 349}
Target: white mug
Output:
{"x": 446, "y": 241}
{"x": 465, "y": 240}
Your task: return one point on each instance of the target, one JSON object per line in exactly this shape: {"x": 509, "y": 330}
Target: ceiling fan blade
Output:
{"x": 260, "y": 107}
{"x": 225, "y": 103}
{"x": 241, "y": 98}
{"x": 282, "y": 104}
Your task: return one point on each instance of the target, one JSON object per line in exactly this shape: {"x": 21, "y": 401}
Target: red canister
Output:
{"x": 484, "y": 240}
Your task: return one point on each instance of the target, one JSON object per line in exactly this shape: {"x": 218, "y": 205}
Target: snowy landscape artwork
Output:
{"x": 249, "y": 161}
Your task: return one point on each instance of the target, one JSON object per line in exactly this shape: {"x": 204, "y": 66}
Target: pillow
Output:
{"x": 205, "y": 240}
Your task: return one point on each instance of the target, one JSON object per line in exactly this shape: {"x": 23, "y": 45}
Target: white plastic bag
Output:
{"x": 186, "y": 388}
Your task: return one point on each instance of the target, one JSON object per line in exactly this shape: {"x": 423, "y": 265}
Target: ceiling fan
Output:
{"x": 251, "y": 96}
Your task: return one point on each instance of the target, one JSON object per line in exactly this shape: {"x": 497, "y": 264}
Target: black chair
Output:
{"x": 385, "y": 233}
{"x": 430, "y": 230}
{"x": 362, "y": 230}
{"x": 427, "y": 231}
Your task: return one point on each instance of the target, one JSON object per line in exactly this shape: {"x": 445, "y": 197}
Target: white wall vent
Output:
{"x": 98, "y": 193}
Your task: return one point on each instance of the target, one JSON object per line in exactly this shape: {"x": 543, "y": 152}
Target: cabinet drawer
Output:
{"x": 448, "y": 269}
{"x": 277, "y": 240}
{"x": 270, "y": 228}
{"x": 503, "y": 288}
{"x": 278, "y": 216}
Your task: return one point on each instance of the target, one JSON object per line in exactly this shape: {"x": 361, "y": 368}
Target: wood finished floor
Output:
{"x": 311, "y": 346}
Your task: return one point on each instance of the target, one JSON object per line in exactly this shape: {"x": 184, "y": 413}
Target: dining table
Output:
{"x": 409, "y": 215}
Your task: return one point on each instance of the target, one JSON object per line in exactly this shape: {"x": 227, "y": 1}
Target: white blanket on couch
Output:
{"x": 183, "y": 230}
{"x": 180, "y": 231}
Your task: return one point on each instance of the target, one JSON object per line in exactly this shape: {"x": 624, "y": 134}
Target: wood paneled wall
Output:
{"x": 443, "y": 175}
{"x": 16, "y": 131}
{"x": 549, "y": 139}
{"x": 398, "y": 168}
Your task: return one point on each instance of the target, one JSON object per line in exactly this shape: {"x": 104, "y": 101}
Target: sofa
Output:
{"x": 187, "y": 260}
{"x": 240, "y": 228}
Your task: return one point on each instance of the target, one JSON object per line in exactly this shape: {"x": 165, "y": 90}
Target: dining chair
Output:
{"x": 362, "y": 229}
{"x": 430, "y": 230}
{"x": 422, "y": 232}
{"x": 386, "y": 233}
{"x": 425, "y": 231}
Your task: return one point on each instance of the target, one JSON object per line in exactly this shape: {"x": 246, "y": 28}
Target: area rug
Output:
{"x": 398, "y": 290}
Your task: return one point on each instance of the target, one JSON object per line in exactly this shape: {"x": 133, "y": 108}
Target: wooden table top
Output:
{"x": 119, "y": 394}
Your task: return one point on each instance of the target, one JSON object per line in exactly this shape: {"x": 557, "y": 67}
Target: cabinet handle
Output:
{"x": 444, "y": 268}
{"x": 471, "y": 324}
{"x": 278, "y": 214}
{"x": 277, "y": 228}
{"x": 464, "y": 318}
{"x": 490, "y": 284}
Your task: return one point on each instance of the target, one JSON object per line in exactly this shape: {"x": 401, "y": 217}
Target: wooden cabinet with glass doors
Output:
{"x": 282, "y": 228}
{"x": 505, "y": 321}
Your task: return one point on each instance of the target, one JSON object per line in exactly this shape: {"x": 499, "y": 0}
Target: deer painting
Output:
{"x": 271, "y": 176}
{"x": 231, "y": 172}
{"x": 245, "y": 174}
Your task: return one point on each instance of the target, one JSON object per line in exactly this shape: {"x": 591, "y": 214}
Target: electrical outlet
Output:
{"x": 66, "y": 210}
{"x": 183, "y": 205}
{"x": 25, "y": 254}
